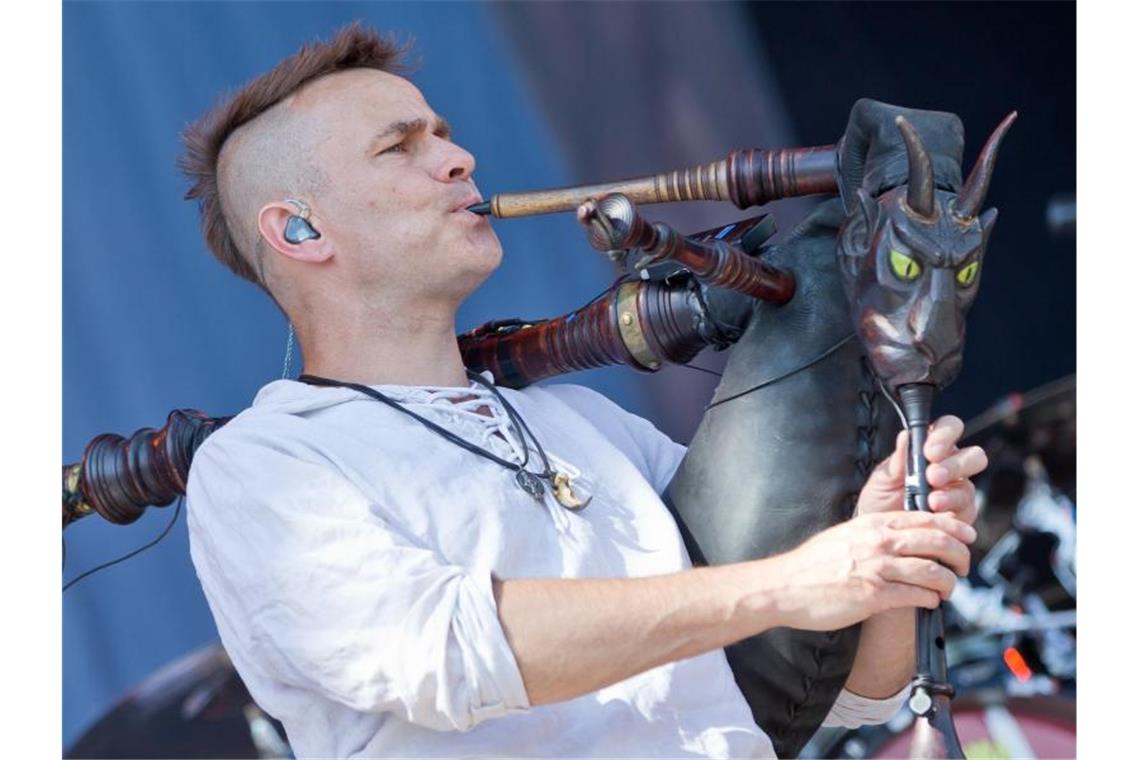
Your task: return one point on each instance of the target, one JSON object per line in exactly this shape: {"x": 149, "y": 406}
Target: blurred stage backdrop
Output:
{"x": 543, "y": 95}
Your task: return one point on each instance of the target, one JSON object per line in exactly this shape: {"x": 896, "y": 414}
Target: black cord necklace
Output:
{"x": 529, "y": 481}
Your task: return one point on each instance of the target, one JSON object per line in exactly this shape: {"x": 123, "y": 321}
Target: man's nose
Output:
{"x": 454, "y": 162}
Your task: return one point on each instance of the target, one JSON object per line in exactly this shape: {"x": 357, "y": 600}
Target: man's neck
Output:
{"x": 394, "y": 348}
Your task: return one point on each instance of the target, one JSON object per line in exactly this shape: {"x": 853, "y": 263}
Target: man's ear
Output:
{"x": 272, "y": 221}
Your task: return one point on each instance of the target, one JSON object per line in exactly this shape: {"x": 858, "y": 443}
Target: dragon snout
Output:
{"x": 937, "y": 329}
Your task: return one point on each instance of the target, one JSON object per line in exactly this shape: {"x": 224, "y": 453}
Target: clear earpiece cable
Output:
{"x": 287, "y": 369}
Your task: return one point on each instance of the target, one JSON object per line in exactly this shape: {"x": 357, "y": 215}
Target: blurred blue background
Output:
{"x": 543, "y": 95}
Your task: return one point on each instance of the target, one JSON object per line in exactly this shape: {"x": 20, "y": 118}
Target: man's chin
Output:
{"x": 487, "y": 257}
{"x": 486, "y": 247}
{"x": 477, "y": 265}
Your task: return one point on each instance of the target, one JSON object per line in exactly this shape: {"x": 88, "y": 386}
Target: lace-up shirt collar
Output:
{"x": 470, "y": 411}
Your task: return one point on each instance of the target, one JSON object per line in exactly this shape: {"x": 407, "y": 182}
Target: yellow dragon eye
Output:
{"x": 904, "y": 267}
{"x": 967, "y": 274}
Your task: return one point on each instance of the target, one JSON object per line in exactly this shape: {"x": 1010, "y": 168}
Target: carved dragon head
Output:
{"x": 911, "y": 263}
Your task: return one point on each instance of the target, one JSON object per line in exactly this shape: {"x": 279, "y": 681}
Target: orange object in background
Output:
{"x": 1016, "y": 664}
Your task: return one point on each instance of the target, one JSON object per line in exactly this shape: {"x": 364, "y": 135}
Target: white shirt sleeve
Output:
{"x": 655, "y": 454}
{"x": 313, "y": 588}
{"x": 851, "y": 710}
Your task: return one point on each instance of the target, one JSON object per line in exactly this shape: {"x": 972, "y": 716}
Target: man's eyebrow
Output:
{"x": 407, "y": 127}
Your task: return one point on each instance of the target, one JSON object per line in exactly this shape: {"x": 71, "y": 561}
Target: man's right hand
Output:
{"x": 870, "y": 564}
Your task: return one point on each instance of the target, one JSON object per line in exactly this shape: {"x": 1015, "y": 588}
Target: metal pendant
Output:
{"x": 564, "y": 492}
{"x": 530, "y": 483}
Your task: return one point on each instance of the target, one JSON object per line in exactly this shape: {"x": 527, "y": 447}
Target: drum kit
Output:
{"x": 1011, "y": 641}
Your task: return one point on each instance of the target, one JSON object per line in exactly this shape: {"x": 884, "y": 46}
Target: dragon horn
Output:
{"x": 920, "y": 183}
{"x": 973, "y": 193}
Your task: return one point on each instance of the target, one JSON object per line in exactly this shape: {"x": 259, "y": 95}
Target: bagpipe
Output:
{"x": 860, "y": 309}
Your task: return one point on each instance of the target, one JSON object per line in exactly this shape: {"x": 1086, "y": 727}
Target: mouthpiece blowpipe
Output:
{"x": 748, "y": 177}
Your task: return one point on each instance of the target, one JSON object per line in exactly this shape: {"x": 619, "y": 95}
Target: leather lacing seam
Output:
{"x": 869, "y": 431}
{"x": 866, "y": 435}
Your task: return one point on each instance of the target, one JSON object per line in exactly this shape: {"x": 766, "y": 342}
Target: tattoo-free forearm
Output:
{"x": 574, "y": 636}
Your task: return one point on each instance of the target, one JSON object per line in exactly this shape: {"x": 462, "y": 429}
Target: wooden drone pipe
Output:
{"x": 118, "y": 478}
{"x": 748, "y": 177}
{"x": 614, "y": 224}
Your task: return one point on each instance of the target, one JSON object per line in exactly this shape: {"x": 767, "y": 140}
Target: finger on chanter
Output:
{"x": 958, "y": 499}
{"x": 962, "y": 464}
{"x": 942, "y": 439}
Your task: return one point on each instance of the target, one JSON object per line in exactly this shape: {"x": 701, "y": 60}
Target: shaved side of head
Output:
{"x": 268, "y": 159}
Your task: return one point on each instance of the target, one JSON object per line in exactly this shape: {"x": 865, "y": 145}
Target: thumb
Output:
{"x": 891, "y": 473}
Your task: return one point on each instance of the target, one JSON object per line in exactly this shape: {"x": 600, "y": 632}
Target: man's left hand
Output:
{"x": 948, "y": 473}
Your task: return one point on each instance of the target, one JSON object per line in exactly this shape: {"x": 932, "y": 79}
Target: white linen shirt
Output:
{"x": 346, "y": 552}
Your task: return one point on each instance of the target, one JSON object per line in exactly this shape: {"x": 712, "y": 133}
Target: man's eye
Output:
{"x": 397, "y": 148}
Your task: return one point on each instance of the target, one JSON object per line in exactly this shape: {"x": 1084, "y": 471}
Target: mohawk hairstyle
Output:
{"x": 353, "y": 47}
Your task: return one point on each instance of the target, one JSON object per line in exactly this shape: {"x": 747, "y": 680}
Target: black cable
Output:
{"x": 517, "y": 421}
{"x": 787, "y": 374}
{"x": 125, "y": 557}
{"x": 326, "y": 382}
{"x": 591, "y": 302}
{"x": 702, "y": 369}
{"x": 599, "y": 296}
